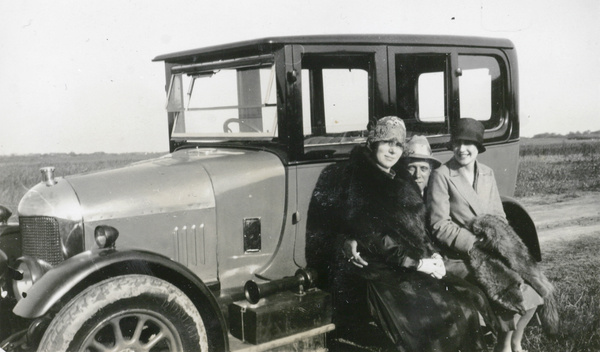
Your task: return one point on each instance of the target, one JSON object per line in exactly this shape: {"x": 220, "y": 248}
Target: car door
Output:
{"x": 342, "y": 88}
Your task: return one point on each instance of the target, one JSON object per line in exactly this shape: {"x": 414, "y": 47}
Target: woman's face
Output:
{"x": 465, "y": 152}
{"x": 387, "y": 154}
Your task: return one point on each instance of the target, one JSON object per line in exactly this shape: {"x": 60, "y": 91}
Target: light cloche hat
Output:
{"x": 387, "y": 129}
{"x": 418, "y": 148}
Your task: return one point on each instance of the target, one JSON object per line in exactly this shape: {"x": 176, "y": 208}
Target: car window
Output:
{"x": 421, "y": 91}
{"x": 336, "y": 103}
{"x": 345, "y": 101}
{"x": 481, "y": 89}
{"x": 224, "y": 103}
{"x": 431, "y": 104}
{"x": 422, "y": 82}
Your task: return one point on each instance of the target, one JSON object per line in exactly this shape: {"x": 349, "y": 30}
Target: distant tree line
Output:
{"x": 571, "y": 135}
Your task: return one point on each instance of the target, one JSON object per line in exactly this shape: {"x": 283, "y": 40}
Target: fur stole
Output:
{"x": 502, "y": 263}
{"x": 377, "y": 204}
{"x": 357, "y": 200}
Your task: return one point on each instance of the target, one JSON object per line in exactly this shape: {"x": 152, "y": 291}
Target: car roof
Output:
{"x": 270, "y": 44}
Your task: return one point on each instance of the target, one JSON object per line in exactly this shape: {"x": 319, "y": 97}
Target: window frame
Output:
{"x": 428, "y": 128}
{"x": 496, "y": 130}
{"x": 196, "y": 71}
{"x": 375, "y": 55}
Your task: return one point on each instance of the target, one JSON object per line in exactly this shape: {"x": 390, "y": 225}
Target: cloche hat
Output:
{"x": 471, "y": 130}
{"x": 386, "y": 129}
{"x": 418, "y": 148}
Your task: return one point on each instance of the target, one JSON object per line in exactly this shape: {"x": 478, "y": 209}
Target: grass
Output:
{"x": 558, "y": 168}
{"x": 573, "y": 266}
{"x": 566, "y": 168}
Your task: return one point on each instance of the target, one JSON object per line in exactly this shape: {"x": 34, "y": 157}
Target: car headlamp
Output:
{"x": 105, "y": 236}
{"x": 30, "y": 271}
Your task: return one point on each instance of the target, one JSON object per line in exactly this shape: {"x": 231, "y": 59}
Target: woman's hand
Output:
{"x": 433, "y": 266}
{"x": 349, "y": 250}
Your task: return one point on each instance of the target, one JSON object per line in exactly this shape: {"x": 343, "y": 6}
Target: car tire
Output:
{"x": 131, "y": 312}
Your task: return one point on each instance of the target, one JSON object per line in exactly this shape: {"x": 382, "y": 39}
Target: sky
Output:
{"x": 77, "y": 76}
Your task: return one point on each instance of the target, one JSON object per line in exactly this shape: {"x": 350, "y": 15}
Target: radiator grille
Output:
{"x": 41, "y": 238}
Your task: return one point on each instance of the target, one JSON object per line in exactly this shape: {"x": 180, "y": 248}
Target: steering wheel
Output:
{"x": 226, "y": 128}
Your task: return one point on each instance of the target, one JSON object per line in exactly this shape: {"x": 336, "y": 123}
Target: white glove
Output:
{"x": 432, "y": 266}
{"x": 437, "y": 256}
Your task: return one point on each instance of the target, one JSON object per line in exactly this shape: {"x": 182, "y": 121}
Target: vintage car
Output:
{"x": 203, "y": 248}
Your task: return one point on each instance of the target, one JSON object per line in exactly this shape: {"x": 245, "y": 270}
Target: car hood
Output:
{"x": 175, "y": 182}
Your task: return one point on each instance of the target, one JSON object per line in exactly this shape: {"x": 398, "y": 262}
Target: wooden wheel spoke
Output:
{"x": 155, "y": 339}
{"x": 139, "y": 328}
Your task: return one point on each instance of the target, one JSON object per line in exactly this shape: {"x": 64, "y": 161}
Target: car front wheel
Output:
{"x": 127, "y": 313}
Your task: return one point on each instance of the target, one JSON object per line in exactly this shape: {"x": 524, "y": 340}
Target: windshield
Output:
{"x": 224, "y": 103}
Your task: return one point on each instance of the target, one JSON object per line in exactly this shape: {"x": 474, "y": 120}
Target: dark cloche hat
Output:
{"x": 468, "y": 129}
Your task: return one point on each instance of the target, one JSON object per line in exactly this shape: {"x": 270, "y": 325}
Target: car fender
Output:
{"x": 84, "y": 269}
{"x": 523, "y": 224}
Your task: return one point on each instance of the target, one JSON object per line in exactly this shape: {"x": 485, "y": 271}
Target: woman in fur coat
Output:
{"x": 459, "y": 191}
{"x": 404, "y": 288}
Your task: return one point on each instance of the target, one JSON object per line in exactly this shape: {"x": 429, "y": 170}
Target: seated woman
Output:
{"x": 419, "y": 161}
{"x": 459, "y": 191}
{"x": 404, "y": 287}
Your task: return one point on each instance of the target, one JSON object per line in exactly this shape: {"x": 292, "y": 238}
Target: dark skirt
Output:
{"x": 421, "y": 313}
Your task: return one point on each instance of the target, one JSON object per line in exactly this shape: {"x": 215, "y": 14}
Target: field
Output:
{"x": 573, "y": 266}
{"x": 547, "y": 166}
{"x": 551, "y": 171}
{"x": 19, "y": 173}
{"x": 558, "y": 166}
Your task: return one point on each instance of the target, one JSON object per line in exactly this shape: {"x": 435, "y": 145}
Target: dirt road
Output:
{"x": 562, "y": 218}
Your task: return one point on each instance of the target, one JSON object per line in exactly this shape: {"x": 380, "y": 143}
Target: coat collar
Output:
{"x": 453, "y": 166}
{"x": 464, "y": 188}
{"x": 362, "y": 156}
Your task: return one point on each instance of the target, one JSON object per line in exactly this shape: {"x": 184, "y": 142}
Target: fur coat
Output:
{"x": 356, "y": 200}
{"x": 502, "y": 263}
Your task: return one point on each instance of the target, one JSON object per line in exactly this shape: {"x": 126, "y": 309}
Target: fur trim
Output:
{"x": 498, "y": 237}
{"x": 499, "y": 257}
{"x": 501, "y": 284}
{"x": 548, "y": 314}
{"x": 358, "y": 200}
